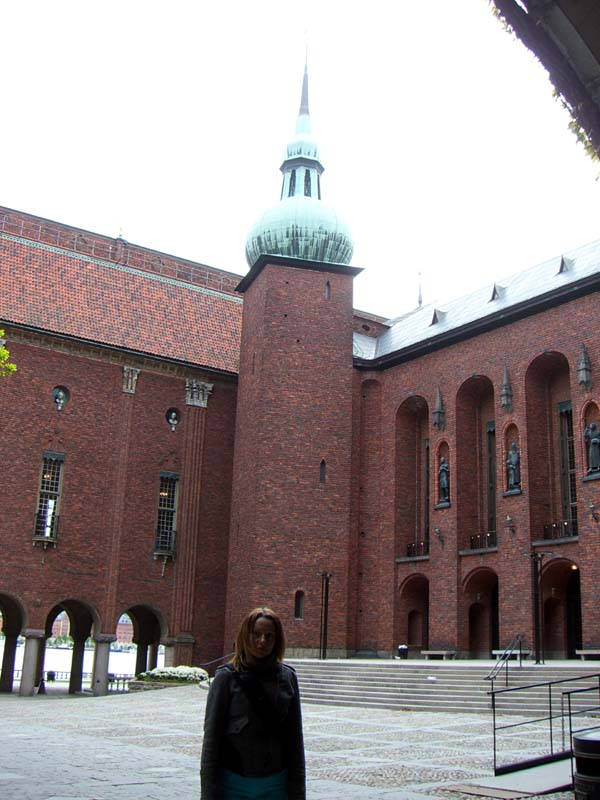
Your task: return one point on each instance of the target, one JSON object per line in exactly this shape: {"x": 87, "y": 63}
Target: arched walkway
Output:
{"x": 480, "y": 599}
{"x": 412, "y": 614}
{"x": 561, "y": 609}
{"x": 147, "y": 630}
{"x": 81, "y": 624}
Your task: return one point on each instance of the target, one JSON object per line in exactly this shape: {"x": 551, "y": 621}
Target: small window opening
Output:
{"x": 299, "y": 605}
{"x": 292, "y": 189}
{"x": 322, "y": 471}
{"x": 327, "y": 291}
{"x": 307, "y": 184}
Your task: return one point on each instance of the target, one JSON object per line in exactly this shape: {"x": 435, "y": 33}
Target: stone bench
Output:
{"x": 583, "y": 653}
{"x": 438, "y": 654}
{"x": 514, "y": 654}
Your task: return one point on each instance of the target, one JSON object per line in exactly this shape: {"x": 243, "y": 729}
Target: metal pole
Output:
{"x": 322, "y": 609}
{"x": 536, "y": 606}
{"x": 326, "y": 577}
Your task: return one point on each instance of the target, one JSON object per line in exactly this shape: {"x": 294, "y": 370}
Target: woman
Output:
{"x": 253, "y": 747}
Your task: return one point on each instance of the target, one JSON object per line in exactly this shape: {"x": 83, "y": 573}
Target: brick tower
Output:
{"x": 290, "y": 523}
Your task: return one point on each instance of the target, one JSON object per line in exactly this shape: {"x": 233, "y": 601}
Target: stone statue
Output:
{"x": 513, "y": 467}
{"x": 592, "y": 438}
{"x": 444, "y": 480}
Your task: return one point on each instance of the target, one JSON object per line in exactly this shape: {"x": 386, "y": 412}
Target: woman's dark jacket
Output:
{"x": 253, "y": 726}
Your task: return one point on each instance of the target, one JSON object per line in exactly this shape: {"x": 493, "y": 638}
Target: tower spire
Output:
{"x": 301, "y": 226}
{"x": 304, "y": 96}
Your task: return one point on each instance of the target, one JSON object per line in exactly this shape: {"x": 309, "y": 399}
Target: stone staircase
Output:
{"x": 439, "y": 686}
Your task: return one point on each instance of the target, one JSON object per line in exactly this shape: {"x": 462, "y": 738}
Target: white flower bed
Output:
{"x": 180, "y": 674}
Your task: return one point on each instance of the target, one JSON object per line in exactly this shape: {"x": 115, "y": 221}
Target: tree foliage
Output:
{"x": 6, "y": 366}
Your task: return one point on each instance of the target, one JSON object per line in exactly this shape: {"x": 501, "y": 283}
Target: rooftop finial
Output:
{"x": 420, "y": 301}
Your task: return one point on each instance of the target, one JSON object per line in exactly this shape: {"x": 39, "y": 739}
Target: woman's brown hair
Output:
{"x": 242, "y": 658}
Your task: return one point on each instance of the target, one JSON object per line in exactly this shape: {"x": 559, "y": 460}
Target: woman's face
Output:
{"x": 262, "y": 640}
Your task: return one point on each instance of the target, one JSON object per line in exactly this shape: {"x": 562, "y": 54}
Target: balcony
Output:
{"x": 415, "y": 549}
{"x": 566, "y": 529}
{"x": 483, "y": 541}
{"x": 45, "y": 528}
{"x": 164, "y": 545}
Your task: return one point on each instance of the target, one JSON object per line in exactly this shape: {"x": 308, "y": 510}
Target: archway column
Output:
{"x": 76, "y": 678}
{"x": 33, "y": 639}
{"x": 141, "y": 658}
{"x": 184, "y": 649}
{"x": 152, "y": 655}
{"x": 169, "y": 645}
{"x": 101, "y": 656}
{"x": 8, "y": 663}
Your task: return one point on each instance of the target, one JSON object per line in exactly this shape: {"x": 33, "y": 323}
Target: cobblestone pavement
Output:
{"x": 146, "y": 746}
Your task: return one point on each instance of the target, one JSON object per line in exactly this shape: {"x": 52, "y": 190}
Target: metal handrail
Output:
{"x": 549, "y": 717}
{"x": 503, "y": 659}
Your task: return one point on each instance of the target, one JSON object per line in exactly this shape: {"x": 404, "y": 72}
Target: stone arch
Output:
{"x": 84, "y": 621}
{"x": 412, "y": 613}
{"x": 550, "y": 448}
{"x": 412, "y": 477}
{"x": 479, "y": 636}
{"x": 148, "y": 629}
{"x": 14, "y": 620}
{"x": 476, "y": 464}
{"x": 560, "y": 596}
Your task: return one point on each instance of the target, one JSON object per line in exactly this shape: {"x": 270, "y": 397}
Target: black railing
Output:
{"x": 165, "y": 542}
{"x": 554, "y": 715}
{"x": 417, "y": 549}
{"x": 483, "y": 541}
{"x": 45, "y": 527}
{"x": 560, "y": 530}
{"x": 516, "y": 646}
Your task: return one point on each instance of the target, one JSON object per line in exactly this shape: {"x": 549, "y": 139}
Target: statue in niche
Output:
{"x": 444, "y": 480}
{"x": 592, "y": 439}
{"x": 513, "y": 467}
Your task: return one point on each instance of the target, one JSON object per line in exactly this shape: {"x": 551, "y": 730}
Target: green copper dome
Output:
{"x": 301, "y": 225}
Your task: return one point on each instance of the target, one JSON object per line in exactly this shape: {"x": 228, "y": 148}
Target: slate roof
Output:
{"x": 72, "y": 294}
{"x": 496, "y": 304}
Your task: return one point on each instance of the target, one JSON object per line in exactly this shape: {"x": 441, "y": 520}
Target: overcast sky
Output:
{"x": 442, "y": 145}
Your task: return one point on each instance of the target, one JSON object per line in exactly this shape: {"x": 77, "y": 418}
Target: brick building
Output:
{"x": 181, "y": 444}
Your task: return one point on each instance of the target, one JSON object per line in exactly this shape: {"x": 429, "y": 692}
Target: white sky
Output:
{"x": 442, "y": 145}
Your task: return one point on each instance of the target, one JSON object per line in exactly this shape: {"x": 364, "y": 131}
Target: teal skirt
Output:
{"x": 238, "y": 787}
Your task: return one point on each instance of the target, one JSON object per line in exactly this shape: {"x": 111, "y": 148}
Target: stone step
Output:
{"x": 433, "y": 686}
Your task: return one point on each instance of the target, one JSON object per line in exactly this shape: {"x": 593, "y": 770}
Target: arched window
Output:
{"x": 299, "y": 605}
{"x": 322, "y": 471}
{"x": 292, "y": 188}
{"x": 327, "y": 291}
{"x": 307, "y": 184}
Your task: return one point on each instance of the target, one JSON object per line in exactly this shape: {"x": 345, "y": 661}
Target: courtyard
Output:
{"x": 146, "y": 746}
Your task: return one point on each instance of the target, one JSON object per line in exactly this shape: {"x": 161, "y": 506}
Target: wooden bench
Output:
{"x": 438, "y": 654}
{"x": 583, "y": 653}
{"x": 515, "y": 653}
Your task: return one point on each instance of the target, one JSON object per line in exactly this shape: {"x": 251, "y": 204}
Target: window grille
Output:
{"x": 166, "y": 528}
{"x": 45, "y": 528}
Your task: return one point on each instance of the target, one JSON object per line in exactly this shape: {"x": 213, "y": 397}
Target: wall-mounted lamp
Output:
{"x": 594, "y": 514}
{"x": 510, "y": 524}
{"x": 439, "y": 535}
